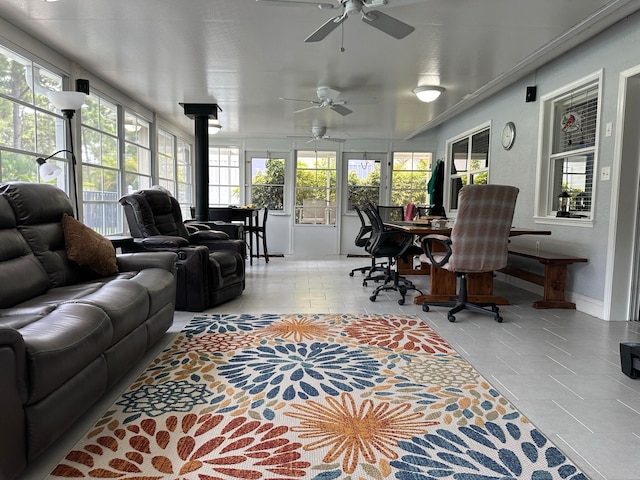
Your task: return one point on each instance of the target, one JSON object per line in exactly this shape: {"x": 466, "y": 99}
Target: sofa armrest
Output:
{"x": 202, "y": 236}
{"x": 13, "y": 385}
{"x": 160, "y": 242}
{"x": 234, "y": 230}
{"x": 142, "y": 260}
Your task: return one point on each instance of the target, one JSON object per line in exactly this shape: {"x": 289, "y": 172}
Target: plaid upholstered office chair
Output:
{"x": 477, "y": 244}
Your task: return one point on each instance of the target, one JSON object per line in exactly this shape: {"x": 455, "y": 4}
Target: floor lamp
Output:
{"x": 68, "y": 102}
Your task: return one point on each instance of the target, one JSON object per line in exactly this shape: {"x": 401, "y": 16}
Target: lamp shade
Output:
{"x": 48, "y": 171}
{"x": 214, "y": 126}
{"x": 427, "y": 93}
{"x": 66, "y": 100}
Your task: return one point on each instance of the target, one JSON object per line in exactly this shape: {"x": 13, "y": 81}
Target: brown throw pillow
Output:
{"x": 88, "y": 248}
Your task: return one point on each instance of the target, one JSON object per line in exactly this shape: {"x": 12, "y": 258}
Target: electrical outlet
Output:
{"x": 605, "y": 174}
{"x": 608, "y": 129}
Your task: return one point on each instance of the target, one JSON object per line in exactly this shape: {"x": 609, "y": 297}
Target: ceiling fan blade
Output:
{"x": 306, "y": 108}
{"x": 321, "y": 5}
{"x": 331, "y": 139}
{"x": 326, "y": 28}
{"x": 300, "y": 100}
{"x": 387, "y": 24}
{"x": 341, "y": 109}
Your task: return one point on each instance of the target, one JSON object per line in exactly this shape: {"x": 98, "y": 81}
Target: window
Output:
{"x": 184, "y": 177}
{"x": 363, "y": 181}
{"x": 166, "y": 160}
{"x": 267, "y": 182}
{"x": 315, "y": 188}
{"x": 100, "y": 165}
{"x": 573, "y": 149}
{"x": 468, "y": 162}
{"x": 29, "y": 126}
{"x": 224, "y": 176}
{"x": 409, "y": 177}
{"x": 137, "y": 153}
{"x": 568, "y": 156}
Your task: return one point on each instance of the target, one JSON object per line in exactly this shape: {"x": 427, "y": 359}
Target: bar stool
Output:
{"x": 260, "y": 233}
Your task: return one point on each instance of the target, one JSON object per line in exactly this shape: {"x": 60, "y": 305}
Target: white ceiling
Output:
{"x": 245, "y": 55}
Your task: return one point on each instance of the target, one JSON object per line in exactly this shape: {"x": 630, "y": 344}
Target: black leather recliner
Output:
{"x": 211, "y": 267}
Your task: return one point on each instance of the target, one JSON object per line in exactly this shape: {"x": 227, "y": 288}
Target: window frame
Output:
{"x": 250, "y": 185}
{"x": 105, "y": 132}
{"x": 138, "y": 145}
{"x": 421, "y": 191}
{"x": 329, "y": 212}
{"x": 470, "y": 172}
{"x": 379, "y": 161}
{"x": 43, "y": 114}
{"x": 544, "y": 195}
{"x": 232, "y": 152}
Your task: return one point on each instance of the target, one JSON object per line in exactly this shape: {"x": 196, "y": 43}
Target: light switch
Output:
{"x": 608, "y": 129}
{"x": 605, "y": 174}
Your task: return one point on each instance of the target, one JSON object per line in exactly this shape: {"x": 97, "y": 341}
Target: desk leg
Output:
{"x": 444, "y": 284}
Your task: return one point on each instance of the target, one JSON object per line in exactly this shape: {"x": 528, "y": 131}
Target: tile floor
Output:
{"x": 559, "y": 367}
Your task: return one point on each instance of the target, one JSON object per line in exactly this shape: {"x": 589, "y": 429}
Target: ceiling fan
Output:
{"x": 326, "y": 98}
{"x": 319, "y": 132}
{"x": 389, "y": 25}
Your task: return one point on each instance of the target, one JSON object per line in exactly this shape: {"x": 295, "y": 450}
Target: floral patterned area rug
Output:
{"x": 316, "y": 397}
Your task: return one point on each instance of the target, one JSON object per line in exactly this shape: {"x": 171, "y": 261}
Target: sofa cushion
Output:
{"x": 88, "y": 248}
{"x": 22, "y": 276}
{"x": 63, "y": 343}
{"x": 126, "y": 302}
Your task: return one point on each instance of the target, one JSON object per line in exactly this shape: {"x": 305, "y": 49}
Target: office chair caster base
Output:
{"x": 351, "y": 274}
{"x": 401, "y": 301}
{"x": 498, "y": 319}
{"x": 425, "y": 307}
{"x": 372, "y": 298}
{"x": 451, "y": 318}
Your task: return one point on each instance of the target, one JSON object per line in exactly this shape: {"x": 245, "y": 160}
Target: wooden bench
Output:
{"x": 554, "y": 279}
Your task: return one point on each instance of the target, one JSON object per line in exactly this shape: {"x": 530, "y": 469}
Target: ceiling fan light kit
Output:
{"x": 428, "y": 93}
{"x": 326, "y": 98}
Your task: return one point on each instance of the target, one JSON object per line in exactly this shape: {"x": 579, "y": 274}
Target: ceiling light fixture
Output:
{"x": 428, "y": 93}
{"x": 214, "y": 126}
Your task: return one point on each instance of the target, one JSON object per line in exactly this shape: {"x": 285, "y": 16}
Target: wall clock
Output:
{"x": 508, "y": 135}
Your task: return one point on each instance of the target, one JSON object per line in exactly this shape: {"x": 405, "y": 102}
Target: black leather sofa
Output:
{"x": 66, "y": 333}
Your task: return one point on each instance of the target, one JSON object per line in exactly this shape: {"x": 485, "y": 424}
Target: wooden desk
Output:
{"x": 443, "y": 286}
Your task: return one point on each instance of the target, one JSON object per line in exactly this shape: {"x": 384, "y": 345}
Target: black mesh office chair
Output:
{"x": 391, "y": 213}
{"x": 362, "y": 239}
{"x": 393, "y": 245}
